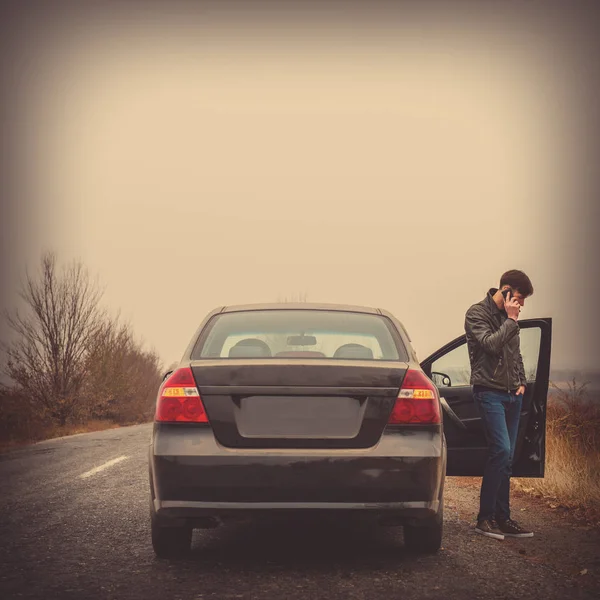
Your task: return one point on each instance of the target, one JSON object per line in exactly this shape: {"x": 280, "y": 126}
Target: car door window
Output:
{"x": 452, "y": 369}
{"x": 531, "y": 339}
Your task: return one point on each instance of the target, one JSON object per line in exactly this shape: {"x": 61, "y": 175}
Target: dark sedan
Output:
{"x": 321, "y": 410}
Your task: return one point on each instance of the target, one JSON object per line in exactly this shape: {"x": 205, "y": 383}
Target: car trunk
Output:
{"x": 293, "y": 403}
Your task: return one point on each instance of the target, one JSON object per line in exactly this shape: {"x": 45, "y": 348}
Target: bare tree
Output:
{"x": 47, "y": 359}
{"x": 122, "y": 378}
{"x": 101, "y": 390}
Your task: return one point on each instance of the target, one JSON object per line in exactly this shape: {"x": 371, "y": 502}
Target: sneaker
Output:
{"x": 486, "y": 527}
{"x": 511, "y": 528}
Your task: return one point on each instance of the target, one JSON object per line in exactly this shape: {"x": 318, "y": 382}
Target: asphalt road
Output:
{"x": 72, "y": 526}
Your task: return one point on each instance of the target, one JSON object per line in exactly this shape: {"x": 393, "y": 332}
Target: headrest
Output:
{"x": 250, "y": 348}
{"x": 356, "y": 351}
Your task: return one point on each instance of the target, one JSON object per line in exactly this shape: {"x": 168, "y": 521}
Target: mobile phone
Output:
{"x": 506, "y": 292}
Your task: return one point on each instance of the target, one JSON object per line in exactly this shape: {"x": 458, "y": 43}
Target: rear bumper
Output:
{"x": 209, "y": 514}
{"x": 193, "y": 477}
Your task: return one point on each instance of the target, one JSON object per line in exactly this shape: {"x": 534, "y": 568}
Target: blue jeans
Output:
{"x": 500, "y": 413}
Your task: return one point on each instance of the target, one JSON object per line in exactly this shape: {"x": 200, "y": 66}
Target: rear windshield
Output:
{"x": 299, "y": 334}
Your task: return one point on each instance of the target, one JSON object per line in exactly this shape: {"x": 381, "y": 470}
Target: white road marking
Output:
{"x": 110, "y": 463}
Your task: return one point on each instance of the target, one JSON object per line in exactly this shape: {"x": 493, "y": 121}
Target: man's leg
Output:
{"x": 491, "y": 406}
{"x": 513, "y": 415}
{"x": 506, "y": 525}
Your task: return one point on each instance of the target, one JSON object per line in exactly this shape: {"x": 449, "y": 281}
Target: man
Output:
{"x": 499, "y": 383}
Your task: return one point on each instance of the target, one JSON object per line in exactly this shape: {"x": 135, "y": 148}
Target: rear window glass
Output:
{"x": 299, "y": 334}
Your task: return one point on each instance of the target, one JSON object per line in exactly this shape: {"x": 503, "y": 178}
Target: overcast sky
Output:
{"x": 400, "y": 169}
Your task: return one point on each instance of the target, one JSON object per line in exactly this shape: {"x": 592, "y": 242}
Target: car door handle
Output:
{"x": 451, "y": 414}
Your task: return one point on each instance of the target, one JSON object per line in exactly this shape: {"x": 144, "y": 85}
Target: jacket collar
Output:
{"x": 492, "y": 303}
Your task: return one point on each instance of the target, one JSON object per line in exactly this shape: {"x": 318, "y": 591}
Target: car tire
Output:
{"x": 169, "y": 541}
{"x": 426, "y": 538}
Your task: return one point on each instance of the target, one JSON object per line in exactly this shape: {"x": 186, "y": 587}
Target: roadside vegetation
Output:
{"x": 68, "y": 366}
{"x": 572, "y": 477}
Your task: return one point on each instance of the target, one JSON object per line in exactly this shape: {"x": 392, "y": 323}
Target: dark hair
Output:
{"x": 518, "y": 281}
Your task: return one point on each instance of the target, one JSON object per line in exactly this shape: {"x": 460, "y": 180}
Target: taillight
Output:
{"x": 179, "y": 399}
{"x": 417, "y": 401}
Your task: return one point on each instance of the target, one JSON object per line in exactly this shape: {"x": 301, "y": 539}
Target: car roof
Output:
{"x": 302, "y": 306}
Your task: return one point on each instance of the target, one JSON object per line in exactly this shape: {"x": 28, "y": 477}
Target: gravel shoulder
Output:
{"x": 561, "y": 542}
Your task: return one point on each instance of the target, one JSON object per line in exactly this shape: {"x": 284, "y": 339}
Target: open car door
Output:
{"x": 450, "y": 370}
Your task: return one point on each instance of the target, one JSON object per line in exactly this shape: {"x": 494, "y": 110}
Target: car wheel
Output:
{"x": 170, "y": 542}
{"x": 426, "y": 538}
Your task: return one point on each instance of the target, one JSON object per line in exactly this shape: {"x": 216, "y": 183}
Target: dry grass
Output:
{"x": 50, "y": 432}
{"x": 22, "y": 423}
{"x": 95, "y": 425}
{"x": 572, "y": 477}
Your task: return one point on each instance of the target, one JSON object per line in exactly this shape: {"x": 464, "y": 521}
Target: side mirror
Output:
{"x": 441, "y": 379}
